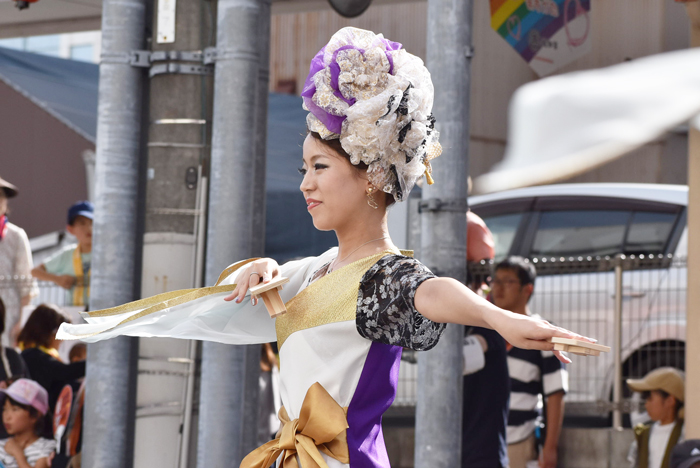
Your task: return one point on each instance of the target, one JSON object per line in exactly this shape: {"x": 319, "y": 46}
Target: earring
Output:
{"x": 370, "y": 198}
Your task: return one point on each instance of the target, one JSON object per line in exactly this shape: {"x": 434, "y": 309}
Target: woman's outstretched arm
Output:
{"x": 446, "y": 300}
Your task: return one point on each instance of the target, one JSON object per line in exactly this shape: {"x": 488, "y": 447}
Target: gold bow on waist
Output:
{"x": 320, "y": 428}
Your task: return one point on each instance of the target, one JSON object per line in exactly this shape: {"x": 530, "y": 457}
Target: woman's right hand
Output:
{"x": 259, "y": 271}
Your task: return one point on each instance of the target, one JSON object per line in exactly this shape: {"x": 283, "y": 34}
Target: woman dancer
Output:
{"x": 352, "y": 309}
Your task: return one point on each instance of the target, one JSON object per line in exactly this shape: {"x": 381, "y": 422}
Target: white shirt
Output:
{"x": 40, "y": 448}
{"x": 15, "y": 263}
{"x": 658, "y": 440}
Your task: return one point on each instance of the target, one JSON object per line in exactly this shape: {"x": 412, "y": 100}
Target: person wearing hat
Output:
{"x": 16, "y": 285}
{"x": 663, "y": 392}
{"x": 686, "y": 454}
{"x": 23, "y": 415}
{"x": 70, "y": 268}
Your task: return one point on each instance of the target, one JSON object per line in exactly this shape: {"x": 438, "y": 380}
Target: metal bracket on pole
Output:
{"x": 139, "y": 58}
{"x": 135, "y": 58}
{"x": 436, "y": 204}
{"x": 210, "y": 55}
{"x": 177, "y": 56}
{"x": 146, "y": 59}
{"x": 181, "y": 68}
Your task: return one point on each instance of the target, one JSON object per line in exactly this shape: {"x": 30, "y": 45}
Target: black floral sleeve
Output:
{"x": 385, "y": 309}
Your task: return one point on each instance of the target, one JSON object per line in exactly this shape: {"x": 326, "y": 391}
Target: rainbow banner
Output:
{"x": 548, "y": 34}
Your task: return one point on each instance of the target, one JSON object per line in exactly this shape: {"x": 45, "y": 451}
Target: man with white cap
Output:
{"x": 663, "y": 392}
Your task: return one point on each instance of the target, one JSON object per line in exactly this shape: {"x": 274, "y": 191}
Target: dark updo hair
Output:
{"x": 33, "y": 412}
{"x": 338, "y": 149}
{"x": 41, "y": 327}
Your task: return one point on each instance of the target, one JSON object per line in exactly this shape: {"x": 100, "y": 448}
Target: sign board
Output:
{"x": 166, "y": 21}
{"x": 547, "y": 34}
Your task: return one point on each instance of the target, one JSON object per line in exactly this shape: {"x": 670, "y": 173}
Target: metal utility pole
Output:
{"x": 228, "y": 371}
{"x": 111, "y": 365}
{"x": 444, "y": 231}
{"x": 617, "y": 344}
{"x": 692, "y": 344}
{"x": 258, "y": 188}
{"x": 259, "y": 167}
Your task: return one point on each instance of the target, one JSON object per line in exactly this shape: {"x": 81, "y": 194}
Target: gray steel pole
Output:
{"x": 252, "y": 381}
{"x": 617, "y": 344}
{"x": 227, "y": 371}
{"x": 111, "y": 365}
{"x": 444, "y": 231}
{"x": 259, "y": 167}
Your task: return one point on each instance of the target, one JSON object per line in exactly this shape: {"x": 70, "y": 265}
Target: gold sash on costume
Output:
{"x": 321, "y": 427}
{"x": 81, "y": 290}
{"x": 165, "y": 300}
{"x": 330, "y": 299}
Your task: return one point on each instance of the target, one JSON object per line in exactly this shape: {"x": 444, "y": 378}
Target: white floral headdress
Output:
{"x": 377, "y": 99}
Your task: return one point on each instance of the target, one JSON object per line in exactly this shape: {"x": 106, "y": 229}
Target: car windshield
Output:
{"x": 503, "y": 228}
{"x": 649, "y": 232}
{"x": 580, "y": 232}
{"x": 601, "y": 232}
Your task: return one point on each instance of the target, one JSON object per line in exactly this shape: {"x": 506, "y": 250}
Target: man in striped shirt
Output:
{"x": 536, "y": 377}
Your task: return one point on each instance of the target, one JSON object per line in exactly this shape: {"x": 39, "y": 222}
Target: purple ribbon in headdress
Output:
{"x": 334, "y": 123}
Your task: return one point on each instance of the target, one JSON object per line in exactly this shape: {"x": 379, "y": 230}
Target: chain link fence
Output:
{"x": 580, "y": 294}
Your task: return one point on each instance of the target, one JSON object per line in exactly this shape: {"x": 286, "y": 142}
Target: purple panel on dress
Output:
{"x": 375, "y": 392}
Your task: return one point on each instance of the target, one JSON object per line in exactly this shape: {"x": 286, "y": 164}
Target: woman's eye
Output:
{"x": 302, "y": 171}
{"x": 318, "y": 166}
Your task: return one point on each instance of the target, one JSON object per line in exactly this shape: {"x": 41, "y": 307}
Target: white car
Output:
{"x": 573, "y": 232}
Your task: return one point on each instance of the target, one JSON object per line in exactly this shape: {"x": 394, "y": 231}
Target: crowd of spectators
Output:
{"x": 41, "y": 418}
{"x": 505, "y": 422}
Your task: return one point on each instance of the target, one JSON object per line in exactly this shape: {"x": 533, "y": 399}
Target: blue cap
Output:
{"x": 81, "y": 208}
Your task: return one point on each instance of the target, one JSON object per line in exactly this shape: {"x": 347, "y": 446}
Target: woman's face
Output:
{"x": 334, "y": 190}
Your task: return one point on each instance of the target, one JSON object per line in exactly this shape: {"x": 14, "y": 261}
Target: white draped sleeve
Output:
{"x": 196, "y": 314}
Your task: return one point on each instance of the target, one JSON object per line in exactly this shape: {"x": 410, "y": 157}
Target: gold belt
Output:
{"x": 320, "y": 428}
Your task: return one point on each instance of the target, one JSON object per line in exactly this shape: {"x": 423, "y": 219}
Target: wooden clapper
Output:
{"x": 269, "y": 292}
{"x": 582, "y": 348}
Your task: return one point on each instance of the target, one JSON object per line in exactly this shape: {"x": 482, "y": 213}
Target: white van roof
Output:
{"x": 676, "y": 194}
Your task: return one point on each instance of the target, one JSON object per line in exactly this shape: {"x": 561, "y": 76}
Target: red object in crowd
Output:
{"x": 480, "y": 244}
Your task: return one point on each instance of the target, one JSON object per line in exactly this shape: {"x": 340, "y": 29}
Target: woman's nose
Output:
{"x": 306, "y": 184}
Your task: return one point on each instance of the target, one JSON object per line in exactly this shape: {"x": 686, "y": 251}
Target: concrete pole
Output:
{"x": 180, "y": 106}
{"x": 227, "y": 370}
{"x": 444, "y": 231}
{"x": 111, "y": 365}
{"x": 692, "y": 331}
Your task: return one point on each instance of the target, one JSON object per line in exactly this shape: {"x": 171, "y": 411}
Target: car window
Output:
{"x": 503, "y": 228}
{"x": 580, "y": 232}
{"x": 649, "y": 232}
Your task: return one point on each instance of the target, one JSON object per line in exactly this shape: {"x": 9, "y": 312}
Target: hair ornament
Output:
{"x": 377, "y": 99}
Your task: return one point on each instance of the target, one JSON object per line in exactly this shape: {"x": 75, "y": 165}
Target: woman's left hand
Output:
{"x": 262, "y": 270}
{"x": 532, "y": 333}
